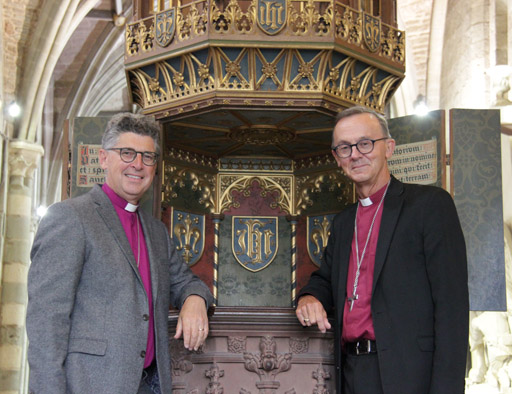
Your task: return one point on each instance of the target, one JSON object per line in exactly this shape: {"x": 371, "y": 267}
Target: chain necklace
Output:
{"x": 360, "y": 260}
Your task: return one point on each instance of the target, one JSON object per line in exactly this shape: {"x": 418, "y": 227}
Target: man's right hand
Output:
{"x": 310, "y": 311}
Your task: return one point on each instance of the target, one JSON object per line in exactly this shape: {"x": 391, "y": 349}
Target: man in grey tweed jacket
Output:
{"x": 102, "y": 278}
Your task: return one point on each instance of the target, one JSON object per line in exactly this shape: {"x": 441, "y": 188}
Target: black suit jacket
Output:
{"x": 420, "y": 303}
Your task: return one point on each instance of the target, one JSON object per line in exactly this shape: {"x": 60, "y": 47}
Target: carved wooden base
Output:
{"x": 255, "y": 350}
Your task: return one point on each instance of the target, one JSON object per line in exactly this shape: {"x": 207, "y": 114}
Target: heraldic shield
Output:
{"x": 319, "y": 229}
{"x": 271, "y": 15}
{"x": 188, "y": 234}
{"x": 371, "y": 32}
{"x": 254, "y": 241}
{"x": 165, "y": 25}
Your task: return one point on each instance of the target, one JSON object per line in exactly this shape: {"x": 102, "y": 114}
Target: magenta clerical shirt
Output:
{"x": 127, "y": 214}
{"x": 358, "y": 323}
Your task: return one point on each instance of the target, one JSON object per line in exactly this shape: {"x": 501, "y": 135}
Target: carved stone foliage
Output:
{"x": 321, "y": 375}
{"x": 214, "y": 374}
{"x": 180, "y": 357}
{"x": 283, "y": 359}
{"x": 180, "y": 364}
{"x": 23, "y": 157}
{"x": 267, "y": 364}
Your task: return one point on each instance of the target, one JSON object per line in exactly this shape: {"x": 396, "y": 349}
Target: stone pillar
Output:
{"x": 466, "y": 56}
{"x": 23, "y": 158}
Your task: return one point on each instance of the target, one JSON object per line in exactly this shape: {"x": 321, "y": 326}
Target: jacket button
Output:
{"x": 145, "y": 317}
{"x": 143, "y": 354}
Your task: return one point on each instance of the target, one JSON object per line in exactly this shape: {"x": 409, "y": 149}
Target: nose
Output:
{"x": 355, "y": 154}
{"x": 137, "y": 162}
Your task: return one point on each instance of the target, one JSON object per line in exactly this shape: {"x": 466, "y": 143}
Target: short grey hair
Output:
{"x": 357, "y": 110}
{"x": 127, "y": 122}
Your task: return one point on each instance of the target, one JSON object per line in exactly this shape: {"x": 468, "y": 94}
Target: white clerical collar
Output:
{"x": 365, "y": 202}
{"x": 130, "y": 207}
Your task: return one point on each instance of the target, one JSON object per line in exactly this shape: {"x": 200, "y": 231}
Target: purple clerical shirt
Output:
{"x": 358, "y": 323}
{"x": 128, "y": 216}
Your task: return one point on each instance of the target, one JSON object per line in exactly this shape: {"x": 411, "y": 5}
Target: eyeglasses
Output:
{"x": 128, "y": 155}
{"x": 363, "y": 146}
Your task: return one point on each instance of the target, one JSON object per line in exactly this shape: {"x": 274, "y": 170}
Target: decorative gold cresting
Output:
{"x": 304, "y": 18}
{"x": 262, "y": 135}
{"x": 190, "y": 158}
{"x": 139, "y": 37}
{"x": 226, "y": 55}
{"x": 315, "y": 162}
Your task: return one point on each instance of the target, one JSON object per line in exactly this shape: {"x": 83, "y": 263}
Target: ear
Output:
{"x": 102, "y": 154}
{"x": 390, "y": 147}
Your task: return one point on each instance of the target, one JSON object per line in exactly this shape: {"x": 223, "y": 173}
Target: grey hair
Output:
{"x": 357, "y": 110}
{"x": 127, "y": 122}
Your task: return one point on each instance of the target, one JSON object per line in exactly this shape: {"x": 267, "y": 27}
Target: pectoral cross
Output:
{"x": 352, "y": 299}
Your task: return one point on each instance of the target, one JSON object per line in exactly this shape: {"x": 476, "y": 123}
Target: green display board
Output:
{"x": 474, "y": 180}
{"x": 477, "y": 190}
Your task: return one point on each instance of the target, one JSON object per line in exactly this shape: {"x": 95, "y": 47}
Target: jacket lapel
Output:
{"x": 107, "y": 212}
{"x": 345, "y": 246}
{"x": 392, "y": 207}
{"x": 153, "y": 258}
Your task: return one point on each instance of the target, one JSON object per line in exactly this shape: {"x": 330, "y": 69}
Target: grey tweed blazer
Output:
{"x": 87, "y": 310}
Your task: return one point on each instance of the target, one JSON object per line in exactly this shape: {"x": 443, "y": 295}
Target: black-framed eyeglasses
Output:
{"x": 128, "y": 155}
{"x": 363, "y": 146}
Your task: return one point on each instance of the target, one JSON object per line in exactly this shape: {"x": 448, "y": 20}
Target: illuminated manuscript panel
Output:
{"x": 420, "y": 149}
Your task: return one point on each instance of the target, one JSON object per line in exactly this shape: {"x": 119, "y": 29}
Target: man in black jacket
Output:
{"x": 394, "y": 274}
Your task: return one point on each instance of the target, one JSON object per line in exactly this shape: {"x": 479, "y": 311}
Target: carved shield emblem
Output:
{"x": 318, "y": 231}
{"x": 188, "y": 234}
{"x": 371, "y": 32}
{"x": 165, "y": 24}
{"x": 255, "y": 241}
{"x": 271, "y": 15}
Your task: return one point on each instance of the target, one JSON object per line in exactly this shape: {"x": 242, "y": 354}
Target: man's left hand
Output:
{"x": 192, "y": 322}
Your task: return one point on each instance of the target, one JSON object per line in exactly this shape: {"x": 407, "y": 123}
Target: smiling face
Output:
{"x": 368, "y": 171}
{"x": 129, "y": 180}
